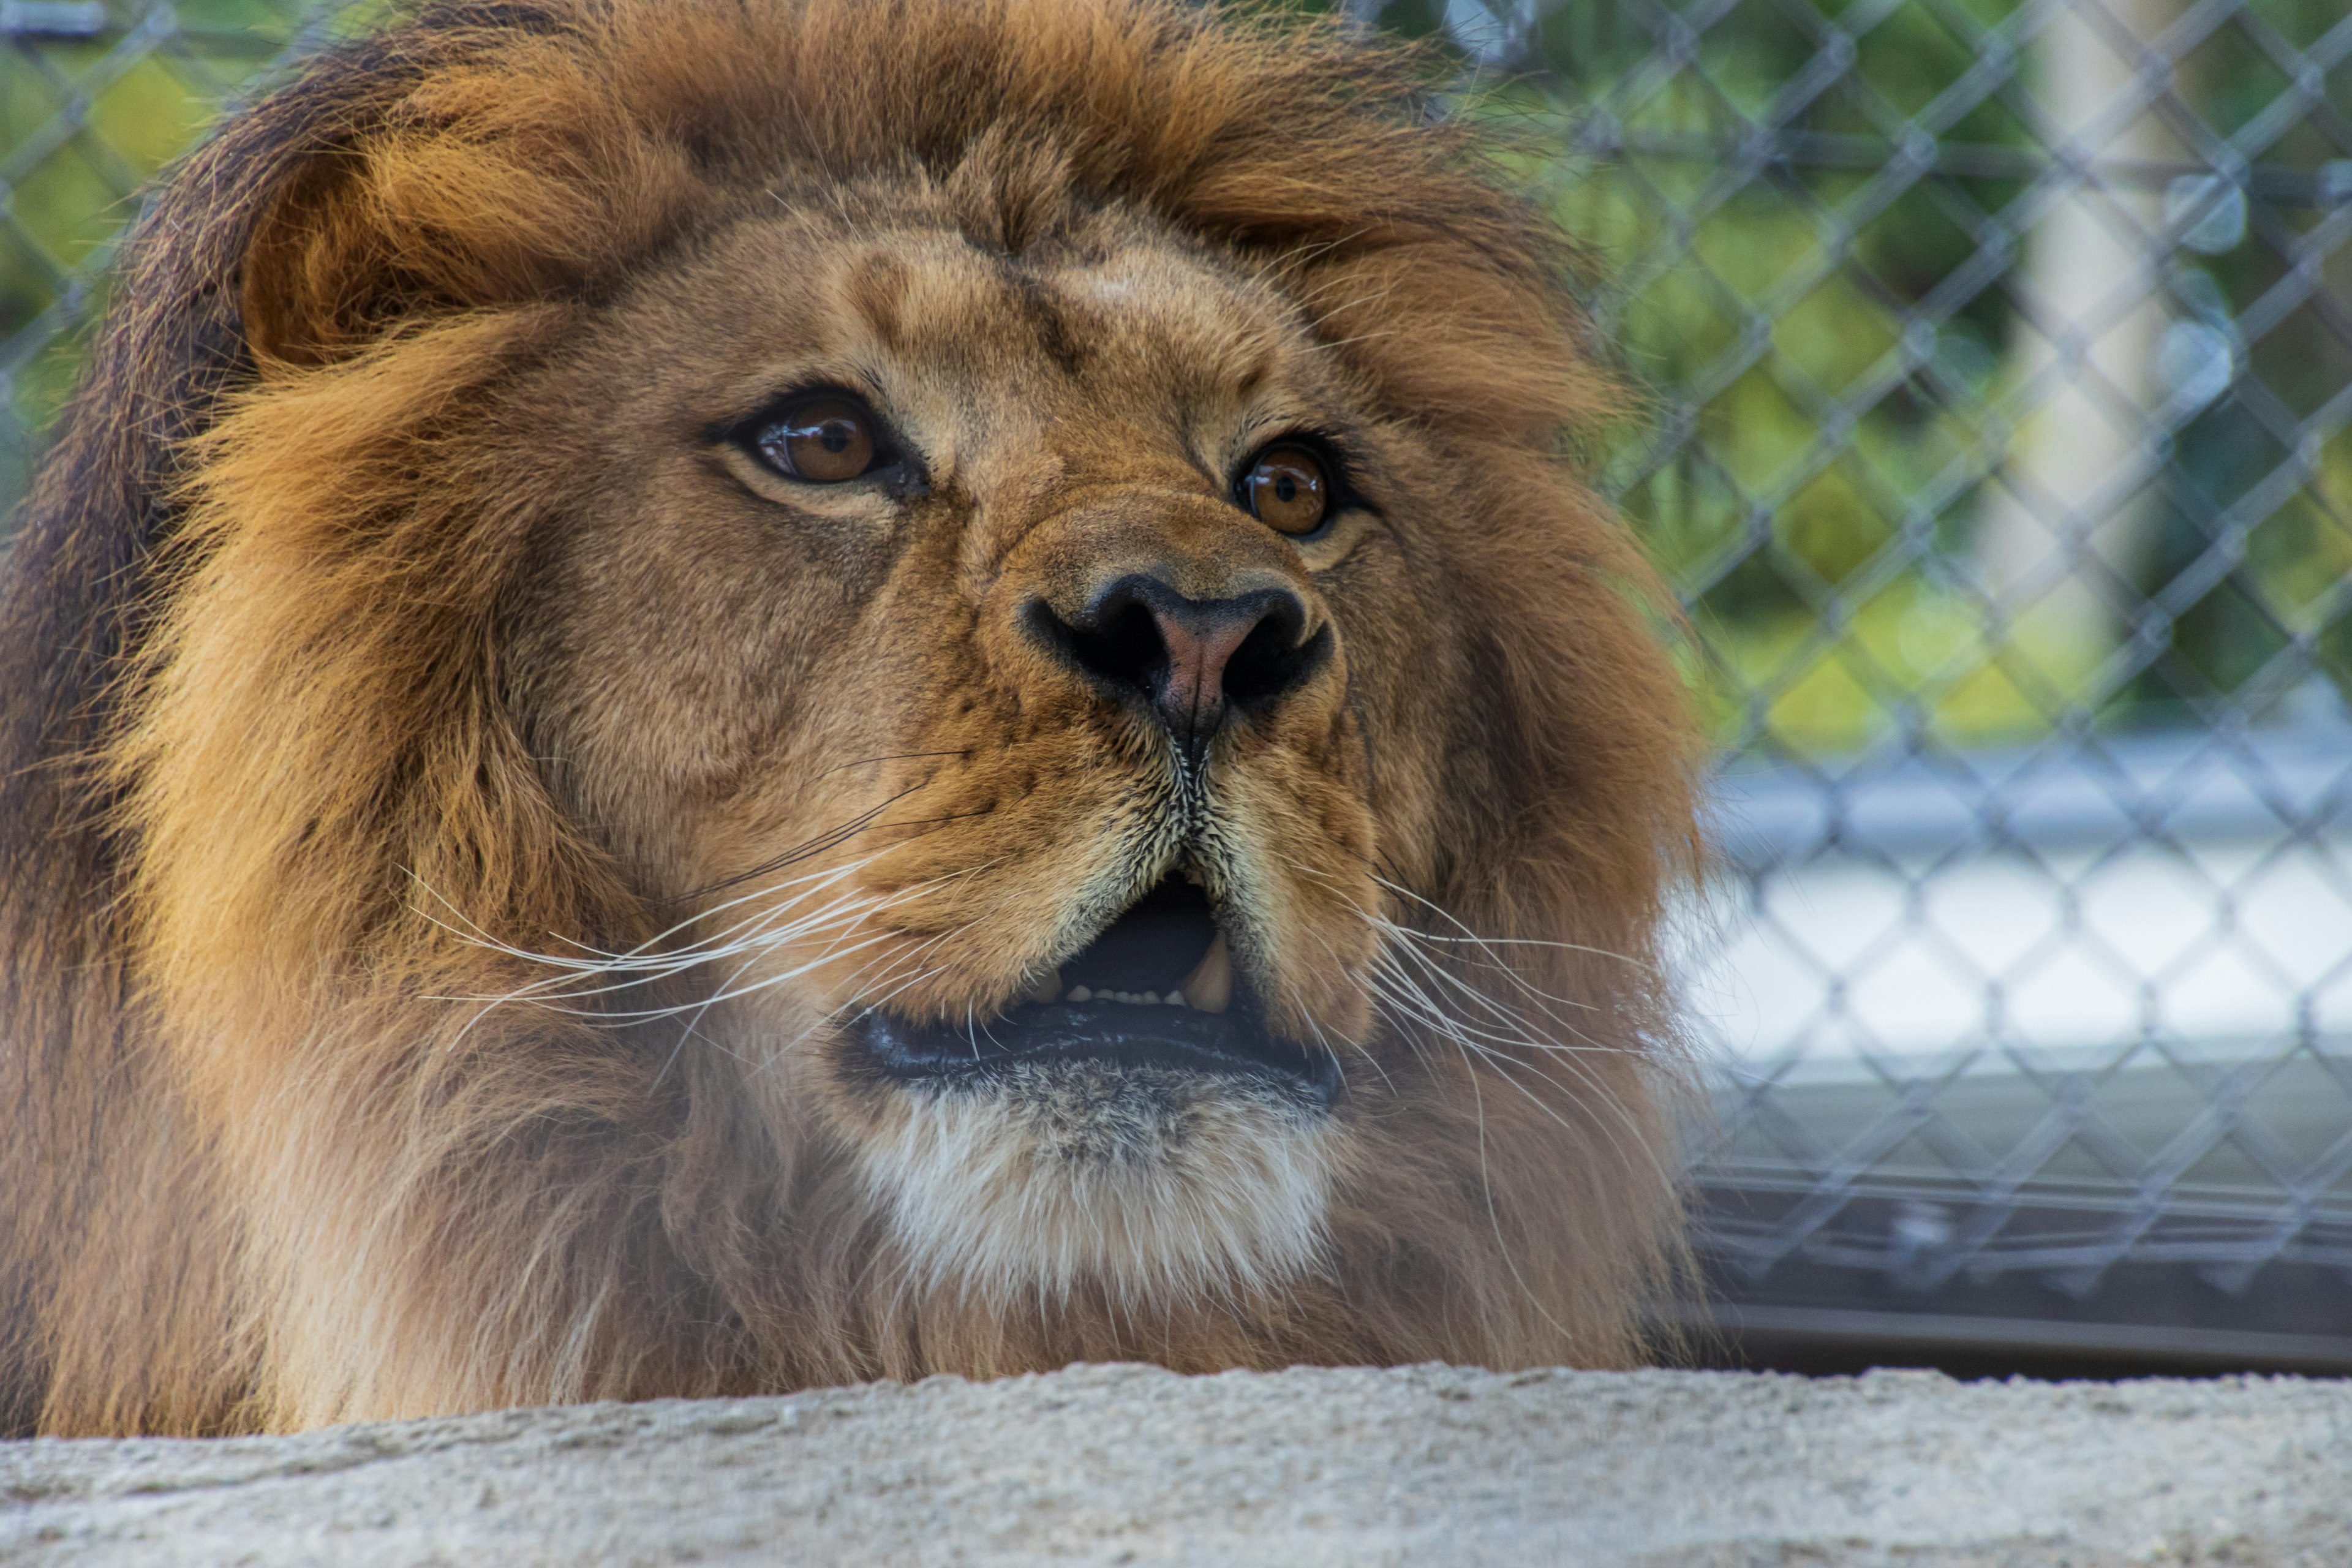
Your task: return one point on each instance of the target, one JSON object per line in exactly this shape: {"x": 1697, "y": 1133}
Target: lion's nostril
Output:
{"x": 1123, "y": 647}
{"x": 1273, "y": 657}
{"x": 1191, "y": 659}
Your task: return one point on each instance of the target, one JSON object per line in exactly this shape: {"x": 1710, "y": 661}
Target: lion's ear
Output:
{"x": 317, "y": 280}
{"x": 495, "y": 187}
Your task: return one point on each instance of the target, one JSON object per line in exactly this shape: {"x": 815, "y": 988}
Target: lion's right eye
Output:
{"x": 821, "y": 440}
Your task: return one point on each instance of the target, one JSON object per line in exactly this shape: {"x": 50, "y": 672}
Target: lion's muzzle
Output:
{"x": 1120, "y": 1002}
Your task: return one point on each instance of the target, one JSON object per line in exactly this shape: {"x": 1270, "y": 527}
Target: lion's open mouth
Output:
{"x": 1156, "y": 988}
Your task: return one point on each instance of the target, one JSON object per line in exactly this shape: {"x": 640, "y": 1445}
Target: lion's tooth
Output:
{"x": 1080, "y": 993}
{"x": 1210, "y": 987}
{"x": 1176, "y": 999}
{"x": 1148, "y": 998}
{"x": 1048, "y": 987}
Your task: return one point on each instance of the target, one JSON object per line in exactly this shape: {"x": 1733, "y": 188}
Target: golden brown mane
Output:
{"x": 268, "y": 777}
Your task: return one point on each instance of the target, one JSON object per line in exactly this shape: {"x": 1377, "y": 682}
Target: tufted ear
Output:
{"x": 520, "y": 178}
{"x": 315, "y": 282}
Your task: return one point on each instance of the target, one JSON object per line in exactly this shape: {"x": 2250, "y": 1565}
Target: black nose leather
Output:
{"x": 1192, "y": 660}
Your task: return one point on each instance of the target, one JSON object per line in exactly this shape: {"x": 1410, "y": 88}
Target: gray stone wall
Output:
{"x": 1119, "y": 1464}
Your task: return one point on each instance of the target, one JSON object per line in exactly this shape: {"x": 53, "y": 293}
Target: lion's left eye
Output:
{"x": 822, "y": 440}
{"x": 1287, "y": 489}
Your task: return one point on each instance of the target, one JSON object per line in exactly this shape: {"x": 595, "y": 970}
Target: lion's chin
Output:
{"x": 1159, "y": 1183}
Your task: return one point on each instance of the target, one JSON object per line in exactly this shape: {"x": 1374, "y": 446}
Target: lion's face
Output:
{"x": 1015, "y": 772}
{"x": 849, "y": 688}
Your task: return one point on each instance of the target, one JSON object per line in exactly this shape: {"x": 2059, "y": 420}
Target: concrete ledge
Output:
{"x": 1423, "y": 1465}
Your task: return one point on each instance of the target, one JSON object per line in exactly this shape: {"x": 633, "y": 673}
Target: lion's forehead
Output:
{"x": 1118, "y": 329}
{"x": 1119, "y": 273}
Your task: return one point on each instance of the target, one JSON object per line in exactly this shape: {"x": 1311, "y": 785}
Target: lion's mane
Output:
{"x": 266, "y": 1166}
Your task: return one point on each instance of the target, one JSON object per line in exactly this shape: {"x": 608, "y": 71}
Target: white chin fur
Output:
{"x": 1157, "y": 1185}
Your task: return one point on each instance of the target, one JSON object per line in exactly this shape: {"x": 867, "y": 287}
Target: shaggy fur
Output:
{"x": 450, "y": 797}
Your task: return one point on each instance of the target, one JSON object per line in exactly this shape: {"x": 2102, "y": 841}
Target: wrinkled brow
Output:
{"x": 875, "y": 287}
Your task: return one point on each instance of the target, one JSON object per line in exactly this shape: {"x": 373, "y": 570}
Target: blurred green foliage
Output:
{"x": 1823, "y": 320}
{"x": 85, "y": 123}
{"x": 1821, "y": 327}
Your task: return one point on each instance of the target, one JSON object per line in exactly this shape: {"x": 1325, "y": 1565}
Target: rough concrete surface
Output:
{"x": 1123, "y": 1464}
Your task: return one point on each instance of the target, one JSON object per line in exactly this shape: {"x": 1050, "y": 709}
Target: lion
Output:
{"x": 707, "y": 698}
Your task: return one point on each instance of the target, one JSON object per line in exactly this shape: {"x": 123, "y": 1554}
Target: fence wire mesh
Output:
{"x": 1999, "y": 366}
{"x": 2002, "y": 356}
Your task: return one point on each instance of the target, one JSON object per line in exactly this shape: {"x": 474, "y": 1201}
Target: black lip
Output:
{"x": 1233, "y": 1044}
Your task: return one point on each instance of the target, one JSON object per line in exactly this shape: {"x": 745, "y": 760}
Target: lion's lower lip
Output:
{"x": 1231, "y": 1044}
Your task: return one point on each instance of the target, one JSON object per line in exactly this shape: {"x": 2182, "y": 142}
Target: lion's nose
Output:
{"x": 1189, "y": 660}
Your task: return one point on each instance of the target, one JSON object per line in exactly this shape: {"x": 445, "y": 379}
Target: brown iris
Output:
{"x": 1287, "y": 489}
{"x": 823, "y": 441}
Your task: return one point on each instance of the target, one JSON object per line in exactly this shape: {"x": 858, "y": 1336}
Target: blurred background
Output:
{"x": 1997, "y": 360}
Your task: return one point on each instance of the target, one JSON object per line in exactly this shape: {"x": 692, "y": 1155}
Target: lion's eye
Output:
{"x": 1287, "y": 489}
{"x": 823, "y": 441}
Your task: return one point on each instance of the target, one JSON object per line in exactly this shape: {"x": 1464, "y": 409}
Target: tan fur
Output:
{"x": 390, "y": 626}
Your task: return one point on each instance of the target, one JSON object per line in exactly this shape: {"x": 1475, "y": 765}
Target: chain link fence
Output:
{"x": 2001, "y": 359}
{"x": 1998, "y": 358}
